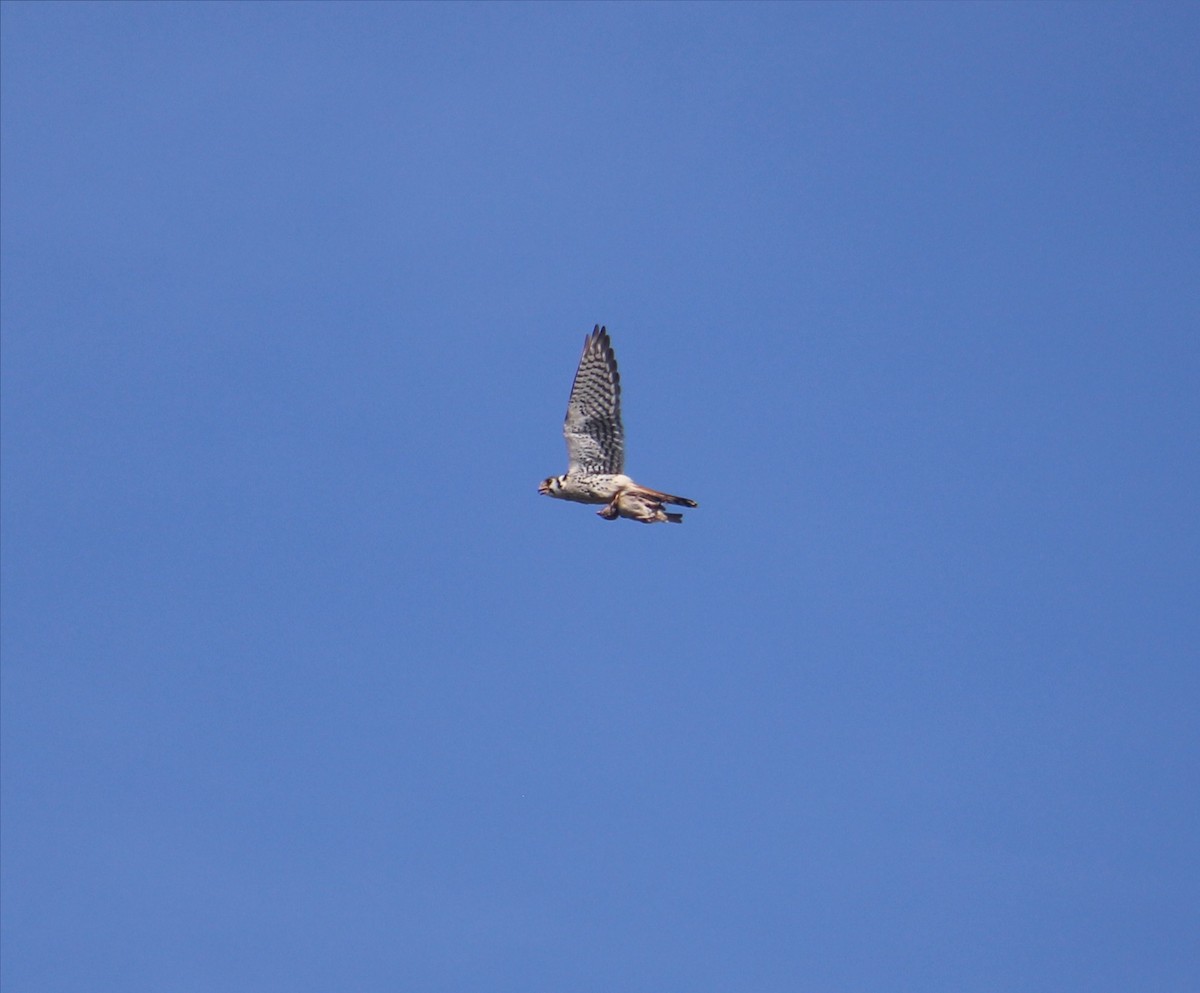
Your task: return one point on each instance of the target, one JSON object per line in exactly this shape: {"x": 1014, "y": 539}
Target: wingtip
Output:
{"x": 599, "y": 340}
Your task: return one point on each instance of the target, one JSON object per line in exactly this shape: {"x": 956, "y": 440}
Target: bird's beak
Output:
{"x": 543, "y": 489}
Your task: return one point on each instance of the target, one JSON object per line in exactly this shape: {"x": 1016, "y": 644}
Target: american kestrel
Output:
{"x": 596, "y": 445}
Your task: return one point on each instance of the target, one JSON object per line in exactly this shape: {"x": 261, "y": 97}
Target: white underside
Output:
{"x": 592, "y": 489}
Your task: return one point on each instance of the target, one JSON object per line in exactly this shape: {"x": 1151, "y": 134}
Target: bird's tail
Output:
{"x": 654, "y": 514}
{"x": 669, "y": 498}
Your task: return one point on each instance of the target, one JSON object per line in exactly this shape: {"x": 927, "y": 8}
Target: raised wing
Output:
{"x": 595, "y": 437}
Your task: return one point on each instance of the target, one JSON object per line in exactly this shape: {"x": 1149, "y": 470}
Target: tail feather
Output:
{"x": 669, "y": 498}
{"x": 680, "y": 501}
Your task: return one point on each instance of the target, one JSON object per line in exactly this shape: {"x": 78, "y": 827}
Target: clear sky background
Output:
{"x": 305, "y": 688}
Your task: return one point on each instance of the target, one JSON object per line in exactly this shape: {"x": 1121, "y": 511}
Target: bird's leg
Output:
{"x": 610, "y": 512}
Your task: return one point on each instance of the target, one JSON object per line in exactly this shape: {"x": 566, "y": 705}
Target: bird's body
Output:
{"x": 639, "y": 505}
{"x": 585, "y": 488}
{"x": 596, "y": 445}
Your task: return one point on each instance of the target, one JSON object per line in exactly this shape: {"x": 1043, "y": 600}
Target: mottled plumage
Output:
{"x": 593, "y": 429}
{"x": 596, "y": 444}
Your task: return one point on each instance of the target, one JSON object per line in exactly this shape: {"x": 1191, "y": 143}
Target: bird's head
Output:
{"x": 550, "y": 486}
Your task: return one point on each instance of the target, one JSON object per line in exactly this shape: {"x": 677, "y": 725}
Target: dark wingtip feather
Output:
{"x": 599, "y": 337}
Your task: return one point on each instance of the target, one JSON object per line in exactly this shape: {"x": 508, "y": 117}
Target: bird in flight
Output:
{"x": 596, "y": 445}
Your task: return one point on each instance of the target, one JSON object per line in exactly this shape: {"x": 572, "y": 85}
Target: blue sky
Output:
{"x": 306, "y": 688}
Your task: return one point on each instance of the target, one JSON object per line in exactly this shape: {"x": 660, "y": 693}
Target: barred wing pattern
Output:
{"x": 595, "y": 437}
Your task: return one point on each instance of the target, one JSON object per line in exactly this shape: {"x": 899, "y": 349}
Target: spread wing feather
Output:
{"x": 595, "y": 437}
